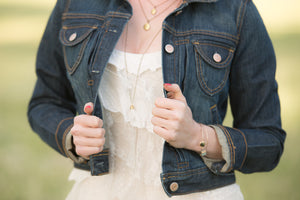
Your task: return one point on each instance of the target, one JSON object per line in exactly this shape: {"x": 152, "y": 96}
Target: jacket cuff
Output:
{"x": 70, "y": 150}
{"x": 238, "y": 146}
{"x": 215, "y": 165}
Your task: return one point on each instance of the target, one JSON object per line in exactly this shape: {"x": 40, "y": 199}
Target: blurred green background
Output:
{"x": 31, "y": 170}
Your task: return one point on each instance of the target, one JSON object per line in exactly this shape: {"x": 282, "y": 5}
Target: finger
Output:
{"x": 88, "y": 108}
{"x": 90, "y": 142}
{"x": 163, "y": 113}
{"x": 156, "y": 121}
{"x": 166, "y": 103}
{"x": 163, "y": 133}
{"x": 174, "y": 91}
{"x": 85, "y": 151}
{"x": 88, "y": 121}
{"x": 87, "y": 132}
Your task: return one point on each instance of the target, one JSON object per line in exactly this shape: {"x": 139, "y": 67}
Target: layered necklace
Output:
{"x": 146, "y": 27}
{"x": 132, "y": 95}
{"x": 154, "y": 9}
{"x": 154, "y": 13}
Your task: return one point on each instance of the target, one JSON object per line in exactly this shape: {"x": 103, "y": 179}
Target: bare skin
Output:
{"x": 88, "y": 134}
{"x": 137, "y": 38}
{"x": 172, "y": 117}
{"x": 172, "y": 120}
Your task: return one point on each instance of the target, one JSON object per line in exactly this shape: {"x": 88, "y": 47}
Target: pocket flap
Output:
{"x": 216, "y": 55}
{"x": 72, "y": 35}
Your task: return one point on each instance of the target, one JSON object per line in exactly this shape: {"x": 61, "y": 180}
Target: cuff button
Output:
{"x": 174, "y": 186}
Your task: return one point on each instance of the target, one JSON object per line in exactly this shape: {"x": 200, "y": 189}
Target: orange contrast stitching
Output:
{"x": 186, "y": 165}
{"x": 246, "y": 151}
{"x": 207, "y": 32}
{"x": 180, "y": 42}
{"x": 231, "y": 145}
{"x": 56, "y": 133}
{"x": 64, "y": 139}
{"x": 203, "y": 83}
{"x": 242, "y": 18}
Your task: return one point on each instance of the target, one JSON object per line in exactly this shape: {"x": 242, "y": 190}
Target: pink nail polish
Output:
{"x": 167, "y": 84}
{"x": 88, "y": 107}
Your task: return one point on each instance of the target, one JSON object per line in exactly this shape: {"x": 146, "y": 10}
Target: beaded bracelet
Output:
{"x": 203, "y": 144}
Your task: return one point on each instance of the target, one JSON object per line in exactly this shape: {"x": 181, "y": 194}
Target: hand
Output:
{"x": 173, "y": 120}
{"x": 88, "y": 134}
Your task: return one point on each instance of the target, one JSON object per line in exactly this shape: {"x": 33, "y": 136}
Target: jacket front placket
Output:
{"x": 112, "y": 30}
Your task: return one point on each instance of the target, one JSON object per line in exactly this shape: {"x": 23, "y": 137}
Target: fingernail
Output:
{"x": 167, "y": 84}
{"x": 88, "y": 107}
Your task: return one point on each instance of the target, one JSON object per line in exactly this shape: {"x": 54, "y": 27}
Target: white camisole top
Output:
{"x": 135, "y": 150}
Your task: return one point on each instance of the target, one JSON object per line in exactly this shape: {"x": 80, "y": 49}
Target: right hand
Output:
{"x": 88, "y": 134}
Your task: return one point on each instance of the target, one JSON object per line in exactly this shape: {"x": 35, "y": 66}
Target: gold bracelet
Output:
{"x": 203, "y": 144}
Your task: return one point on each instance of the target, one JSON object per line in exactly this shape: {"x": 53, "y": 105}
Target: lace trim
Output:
{"x": 136, "y": 152}
{"x": 133, "y": 151}
{"x": 117, "y": 86}
{"x": 109, "y": 187}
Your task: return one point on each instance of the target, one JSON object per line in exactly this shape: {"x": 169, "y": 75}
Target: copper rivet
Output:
{"x": 72, "y": 37}
{"x": 169, "y": 48}
{"x": 174, "y": 186}
{"x": 90, "y": 82}
{"x": 217, "y": 57}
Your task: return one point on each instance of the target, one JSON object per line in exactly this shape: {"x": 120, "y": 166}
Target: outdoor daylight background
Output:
{"x": 30, "y": 170}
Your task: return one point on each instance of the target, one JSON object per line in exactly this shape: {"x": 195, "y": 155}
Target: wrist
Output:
{"x": 71, "y": 152}
{"x": 196, "y": 140}
{"x": 202, "y": 139}
{"x": 205, "y": 142}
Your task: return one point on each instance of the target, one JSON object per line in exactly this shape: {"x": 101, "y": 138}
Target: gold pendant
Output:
{"x": 153, "y": 11}
{"x": 132, "y": 107}
{"x": 147, "y": 26}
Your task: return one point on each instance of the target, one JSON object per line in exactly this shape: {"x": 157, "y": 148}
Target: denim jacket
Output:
{"x": 221, "y": 51}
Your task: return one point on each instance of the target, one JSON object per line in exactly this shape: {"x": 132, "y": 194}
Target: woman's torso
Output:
{"x": 189, "y": 46}
{"x": 135, "y": 151}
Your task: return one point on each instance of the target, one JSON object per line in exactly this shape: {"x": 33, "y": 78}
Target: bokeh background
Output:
{"x": 31, "y": 170}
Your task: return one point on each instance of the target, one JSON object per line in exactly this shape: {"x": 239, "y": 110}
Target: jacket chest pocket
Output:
{"x": 212, "y": 66}
{"x": 75, "y": 39}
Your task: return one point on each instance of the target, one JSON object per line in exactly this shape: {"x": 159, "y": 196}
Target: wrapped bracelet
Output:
{"x": 203, "y": 144}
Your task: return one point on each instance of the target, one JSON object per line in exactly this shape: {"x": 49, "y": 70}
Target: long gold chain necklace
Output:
{"x": 147, "y": 25}
{"x": 132, "y": 96}
{"x": 154, "y": 9}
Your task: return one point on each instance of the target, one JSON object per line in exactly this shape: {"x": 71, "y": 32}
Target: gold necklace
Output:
{"x": 132, "y": 97}
{"x": 154, "y": 9}
{"x": 147, "y": 25}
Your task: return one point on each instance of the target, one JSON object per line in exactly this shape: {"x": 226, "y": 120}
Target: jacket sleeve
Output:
{"x": 52, "y": 106}
{"x": 256, "y": 139}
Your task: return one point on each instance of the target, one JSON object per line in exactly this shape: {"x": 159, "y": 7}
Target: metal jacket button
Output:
{"x": 174, "y": 186}
{"x": 169, "y": 48}
{"x": 217, "y": 57}
{"x": 72, "y": 37}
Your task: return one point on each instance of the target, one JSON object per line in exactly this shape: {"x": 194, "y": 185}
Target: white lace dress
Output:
{"x": 135, "y": 151}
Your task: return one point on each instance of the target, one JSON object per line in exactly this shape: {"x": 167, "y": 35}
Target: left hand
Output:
{"x": 173, "y": 120}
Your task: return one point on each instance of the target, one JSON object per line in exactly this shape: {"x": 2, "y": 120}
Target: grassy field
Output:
{"x": 30, "y": 170}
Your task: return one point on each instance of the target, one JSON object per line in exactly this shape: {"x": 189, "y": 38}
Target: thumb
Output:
{"x": 174, "y": 92}
{"x": 88, "y": 108}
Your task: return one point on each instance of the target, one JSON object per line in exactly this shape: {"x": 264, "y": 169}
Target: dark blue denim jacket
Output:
{"x": 80, "y": 37}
